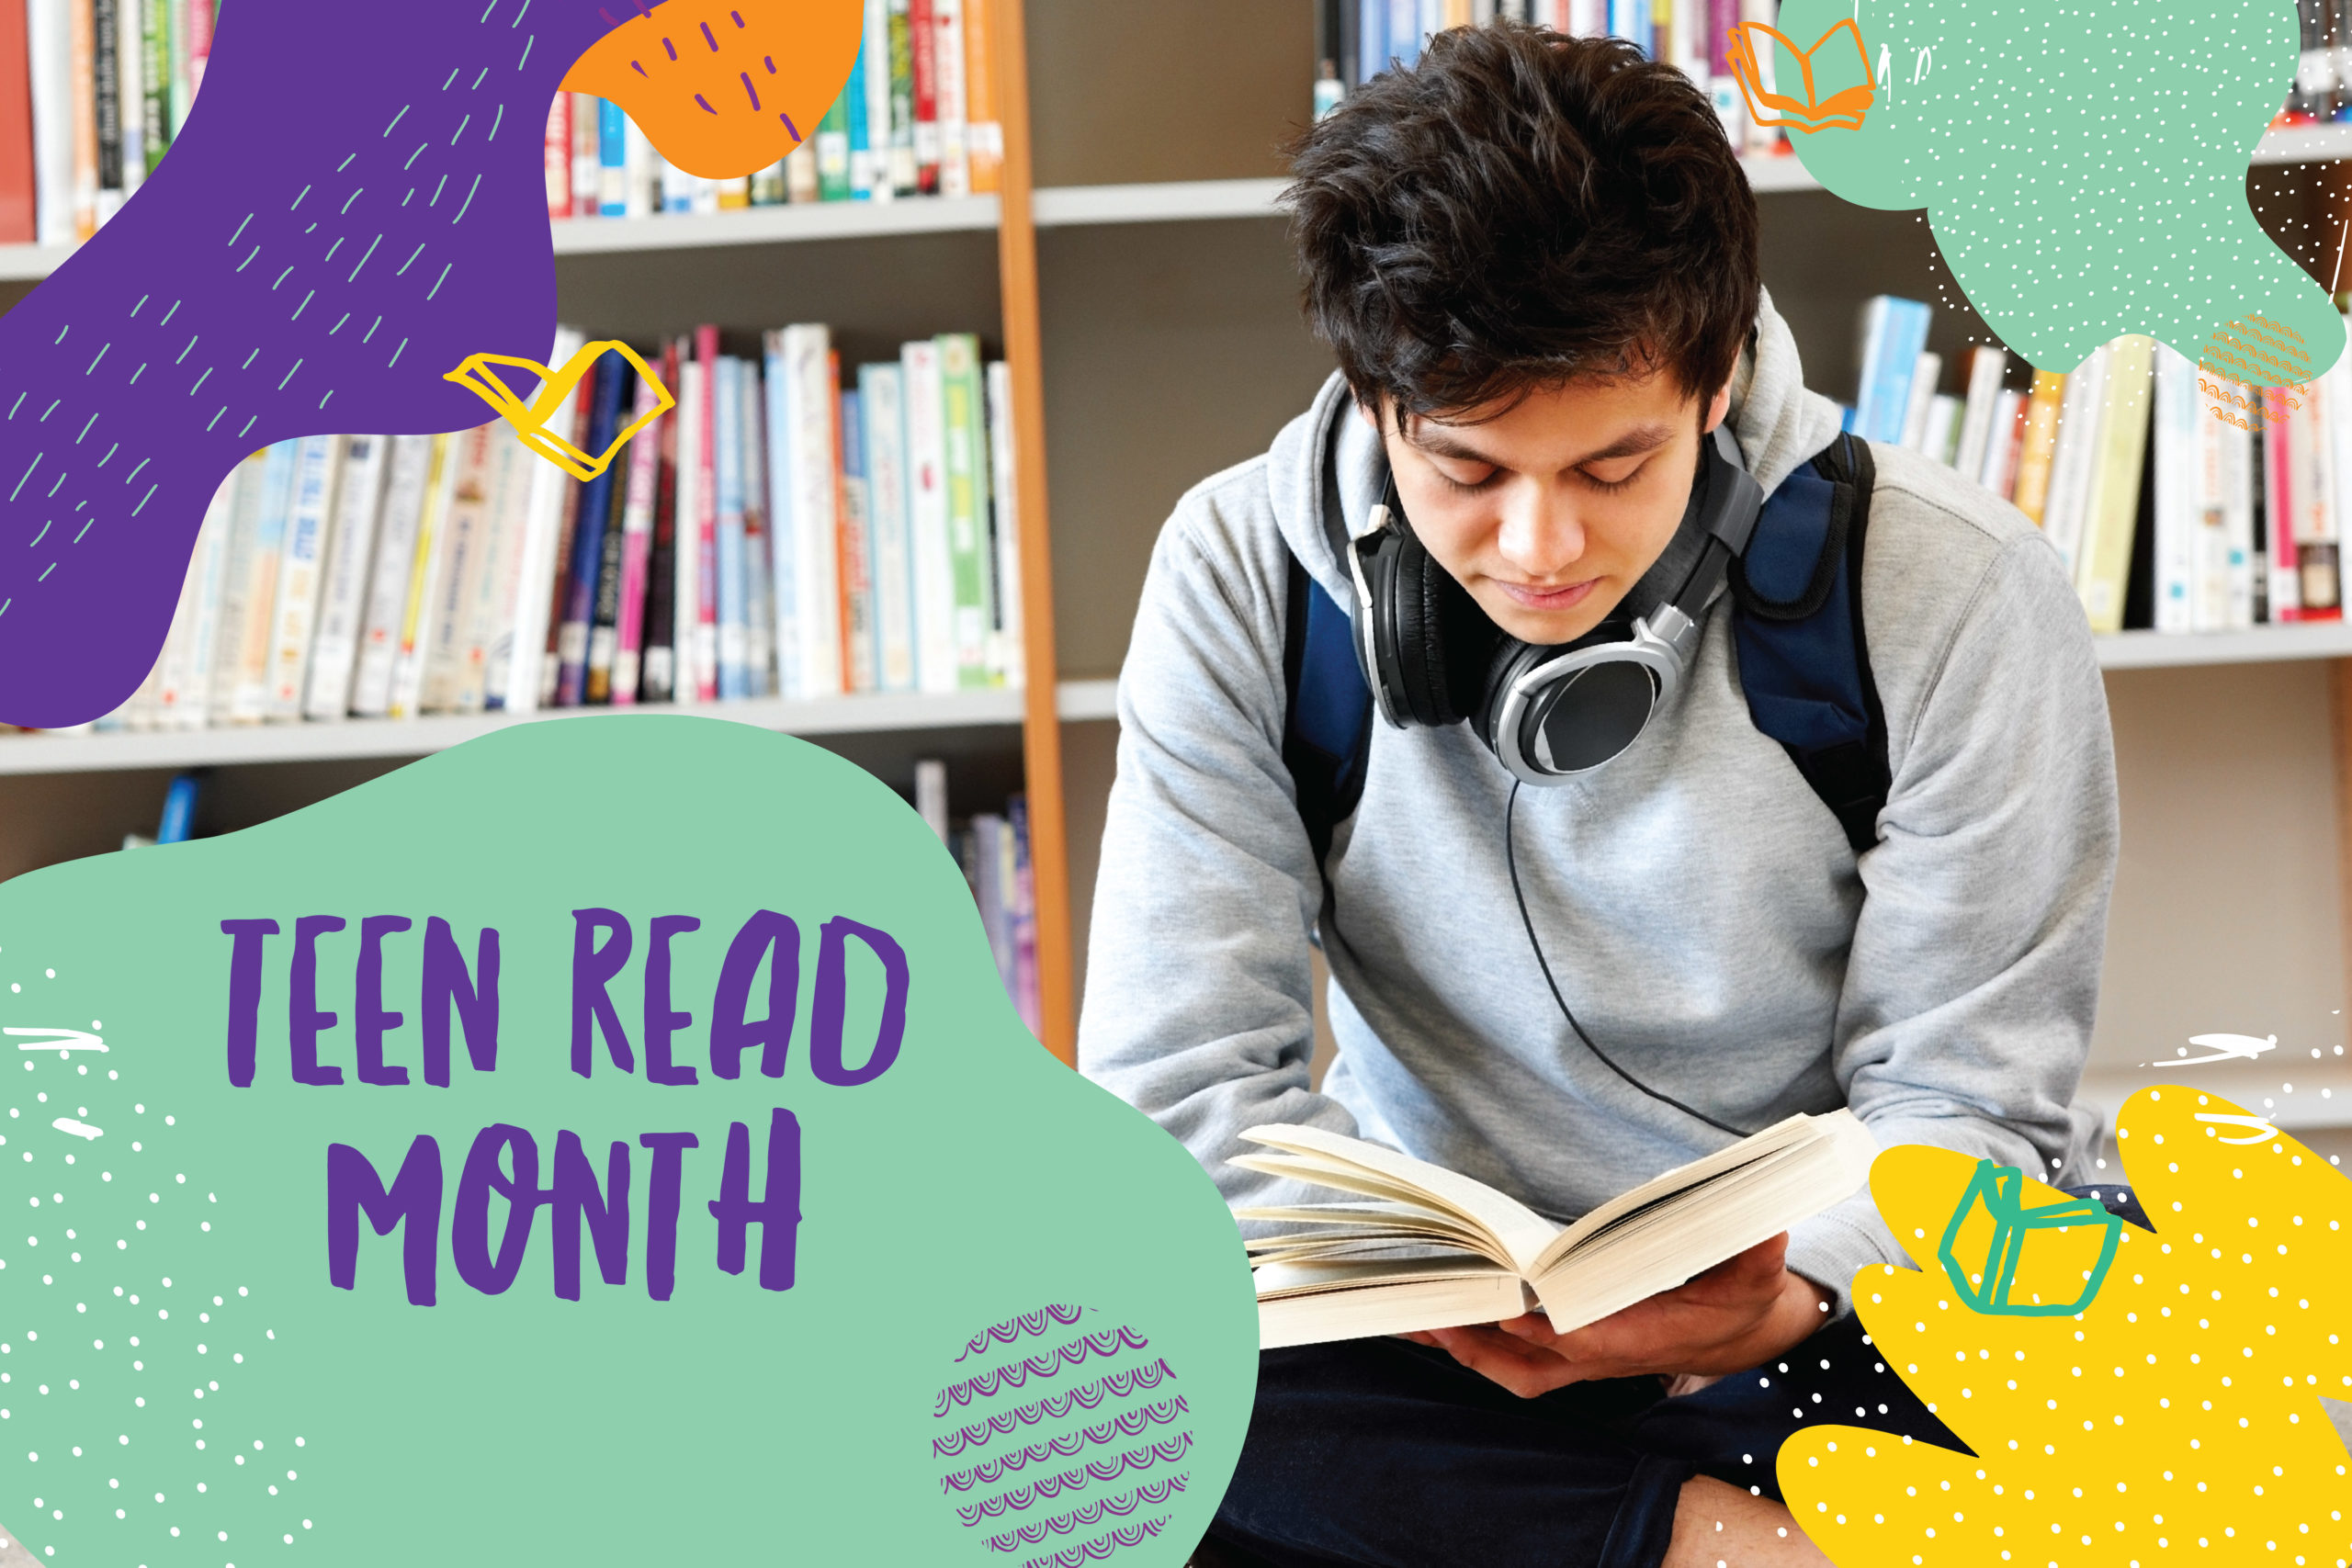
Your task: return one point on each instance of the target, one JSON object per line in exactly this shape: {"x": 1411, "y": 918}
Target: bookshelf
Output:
{"x": 1145, "y": 304}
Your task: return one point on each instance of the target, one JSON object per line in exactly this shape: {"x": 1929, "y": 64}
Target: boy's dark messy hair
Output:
{"x": 1518, "y": 210}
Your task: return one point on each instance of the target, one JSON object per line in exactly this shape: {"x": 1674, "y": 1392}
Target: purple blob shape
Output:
{"x": 173, "y": 354}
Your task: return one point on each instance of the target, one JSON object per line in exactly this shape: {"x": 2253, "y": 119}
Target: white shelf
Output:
{"x": 2151, "y": 650}
{"x": 776, "y": 225}
{"x": 1157, "y": 202}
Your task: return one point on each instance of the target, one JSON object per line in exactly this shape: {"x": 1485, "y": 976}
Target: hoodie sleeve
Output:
{"x": 1970, "y": 987}
{"x": 1199, "y": 1008}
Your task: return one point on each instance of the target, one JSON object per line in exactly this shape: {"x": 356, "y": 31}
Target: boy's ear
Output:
{"x": 1716, "y": 409}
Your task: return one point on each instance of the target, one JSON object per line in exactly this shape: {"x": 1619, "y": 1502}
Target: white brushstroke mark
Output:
{"x": 79, "y": 1129}
{"x": 2224, "y": 1048}
{"x": 62, "y": 1041}
{"x": 2263, "y": 1131}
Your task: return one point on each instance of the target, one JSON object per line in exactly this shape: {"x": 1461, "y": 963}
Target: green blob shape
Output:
{"x": 945, "y": 1204}
{"x": 1996, "y": 1190}
{"x": 2083, "y": 163}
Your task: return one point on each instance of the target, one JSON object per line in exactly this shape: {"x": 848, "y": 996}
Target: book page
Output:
{"x": 1516, "y": 1231}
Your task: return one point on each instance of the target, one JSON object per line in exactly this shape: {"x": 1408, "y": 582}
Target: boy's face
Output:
{"x": 1549, "y": 513}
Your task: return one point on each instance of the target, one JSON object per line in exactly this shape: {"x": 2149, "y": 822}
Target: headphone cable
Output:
{"x": 1510, "y": 858}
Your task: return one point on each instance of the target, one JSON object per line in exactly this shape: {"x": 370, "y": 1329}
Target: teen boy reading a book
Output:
{"x": 1535, "y": 260}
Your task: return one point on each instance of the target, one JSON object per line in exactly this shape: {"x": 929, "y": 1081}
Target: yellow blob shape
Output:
{"x": 2175, "y": 1418}
{"x": 530, "y": 420}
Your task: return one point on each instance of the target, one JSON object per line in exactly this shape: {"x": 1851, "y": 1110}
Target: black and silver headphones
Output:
{"x": 1432, "y": 657}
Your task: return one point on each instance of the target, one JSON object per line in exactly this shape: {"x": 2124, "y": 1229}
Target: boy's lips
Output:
{"x": 1529, "y": 597}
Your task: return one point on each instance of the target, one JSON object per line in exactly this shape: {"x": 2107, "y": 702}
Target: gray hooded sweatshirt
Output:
{"x": 1700, "y": 906}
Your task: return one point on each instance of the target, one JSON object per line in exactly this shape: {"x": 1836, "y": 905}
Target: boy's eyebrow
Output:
{"x": 1641, "y": 438}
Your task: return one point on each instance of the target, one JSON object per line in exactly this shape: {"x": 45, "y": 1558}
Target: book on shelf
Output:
{"x": 1417, "y": 1247}
{"x": 993, "y": 850}
{"x": 2177, "y": 500}
{"x": 1360, "y": 38}
{"x": 794, "y": 526}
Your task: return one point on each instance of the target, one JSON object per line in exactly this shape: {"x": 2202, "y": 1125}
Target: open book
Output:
{"x": 1426, "y": 1248}
{"x": 1825, "y": 104}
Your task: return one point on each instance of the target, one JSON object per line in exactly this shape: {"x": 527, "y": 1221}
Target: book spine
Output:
{"x": 660, "y": 681}
{"x": 922, "y": 31}
{"x": 556, "y": 156}
{"x": 583, "y": 415}
{"x": 955, "y": 142}
{"x": 685, "y": 611}
{"x": 1009, "y": 660}
{"x": 882, "y": 424}
{"x": 2032, "y": 490}
{"x": 832, "y": 151}
{"x": 489, "y": 597}
{"x": 902, "y": 99}
{"x": 19, "y": 193}
{"x": 106, "y": 102}
{"x": 604, "y": 626}
{"x": 84, "y": 80}
{"x": 707, "y": 519}
{"x": 759, "y": 561}
{"x": 2005, "y": 445}
{"x": 769, "y": 186}
{"x": 249, "y": 694}
{"x": 2208, "y": 467}
{"x": 343, "y": 597}
{"x": 318, "y": 464}
{"x": 201, "y": 16}
{"x": 984, "y": 132}
{"x": 587, "y": 155}
{"x": 229, "y": 609}
{"x": 873, "y": 53}
{"x": 512, "y": 681}
{"x": 965, "y": 447}
{"x": 858, "y": 640}
{"x": 612, "y": 160}
{"x": 817, "y": 617}
{"x": 727, "y": 402}
{"x": 636, "y": 547}
{"x": 783, "y": 525}
{"x": 1024, "y": 917}
{"x": 1985, "y": 367}
{"x": 2180, "y": 491}
{"x": 2241, "y": 485}
{"x": 1926, "y": 369}
{"x": 449, "y": 581}
{"x": 2070, "y": 458}
{"x": 408, "y": 467}
{"x": 130, "y": 93}
{"x": 49, "y": 65}
{"x": 2123, "y": 436}
{"x": 801, "y": 184}
{"x": 1371, "y": 39}
{"x": 935, "y": 567}
{"x": 155, "y": 79}
{"x": 186, "y": 689}
{"x": 856, "y": 100}
{"x": 2317, "y": 597}
{"x": 588, "y": 539}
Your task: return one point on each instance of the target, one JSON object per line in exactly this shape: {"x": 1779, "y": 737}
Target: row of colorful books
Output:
{"x": 2323, "y": 85}
{"x": 2180, "y": 499}
{"x": 94, "y": 91}
{"x": 917, "y": 117}
{"x": 773, "y": 534}
{"x": 1356, "y": 39}
{"x": 993, "y": 850}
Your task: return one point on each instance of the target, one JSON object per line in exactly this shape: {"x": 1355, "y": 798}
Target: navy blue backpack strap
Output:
{"x": 1327, "y": 712}
{"x": 1797, "y": 624}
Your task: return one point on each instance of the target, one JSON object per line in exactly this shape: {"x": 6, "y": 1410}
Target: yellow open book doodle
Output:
{"x": 530, "y": 420}
{"x": 1814, "y": 112}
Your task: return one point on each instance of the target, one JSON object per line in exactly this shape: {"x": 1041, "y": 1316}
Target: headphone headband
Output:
{"x": 1548, "y": 714}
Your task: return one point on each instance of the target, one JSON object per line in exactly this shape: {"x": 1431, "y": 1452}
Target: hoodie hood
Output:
{"x": 1324, "y": 469}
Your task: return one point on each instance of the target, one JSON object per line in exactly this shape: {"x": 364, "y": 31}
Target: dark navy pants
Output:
{"x": 1380, "y": 1453}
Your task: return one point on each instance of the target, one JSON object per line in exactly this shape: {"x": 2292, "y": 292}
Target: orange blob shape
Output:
{"x": 725, "y": 87}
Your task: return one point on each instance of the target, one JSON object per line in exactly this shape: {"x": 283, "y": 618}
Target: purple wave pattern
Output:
{"x": 1101, "y": 1547}
{"x": 1014, "y": 1374}
{"x": 1037, "y": 1531}
{"x": 1130, "y": 1423}
{"x": 1027, "y": 1324}
{"x": 1166, "y": 1452}
{"x": 356, "y": 207}
{"x": 1114, "y": 1385}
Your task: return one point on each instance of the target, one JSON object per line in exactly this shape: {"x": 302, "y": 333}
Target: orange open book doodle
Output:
{"x": 530, "y": 420}
{"x": 1843, "y": 108}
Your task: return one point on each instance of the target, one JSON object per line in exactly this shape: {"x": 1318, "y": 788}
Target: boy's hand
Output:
{"x": 1745, "y": 1310}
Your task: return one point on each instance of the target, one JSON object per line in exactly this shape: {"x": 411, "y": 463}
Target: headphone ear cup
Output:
{"x": 1418, "y": 620}
{"x": 1510, "y": 660}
